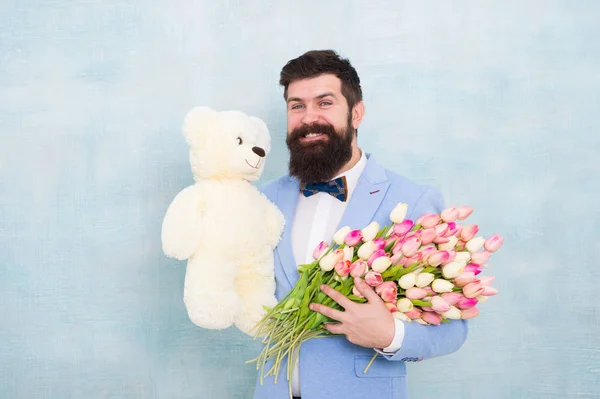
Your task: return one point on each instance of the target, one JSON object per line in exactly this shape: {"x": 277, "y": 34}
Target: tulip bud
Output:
{"x": 403, "y": 228}
{"x": 480, "y": 257}
{"x": 493, "y": 243}
{"x": 489, "y": 291}
{"x": 440, "y": 286}
{"x": 438, "y": 258}
{"x": 425, "y": 252}
{"x": 430, "y": 220}
{"x": 366, "y": 250}
{"x": 401, "y": 316}
{"x": 373, "y": 279}
{"x": 341, "y": 234}
{"x": 377, "y": 254}
{"x": 475, "y": 244}
{"x": 359, "y": 268}
{"x": 427, "y": 235}
{"x": 482, "y": 299}
{"x": 452, "y": 270}
{"x": 464, "y": 278}
{"x": 448, "y": 245}
{"x": 464, "y": 212}
{"x": 472, "y": 290}
{"x": 441, "y": 229}
{"x": 467, "y": 303}
{"x": 411, "y": 246}
{"x": 381, "y": 264}
{"x": 463, "y": 257}
{"x": 327, "y": 262}
{"x": 342, "y": 267}
{"x": 379, "y": 243}
{"x": 397, "y": 259}
{"x": 453, "y": 313}
{"x": 370, "y": 231}
{"x": 469, "y": 313}
{"x": 453, "y": 229}
{"x": 452, "y": 298}
{"x": 424, "y": 279}
{"x": 415, "y": 293}
{"x": 387, "y": 291}
{"x": 420, "y": 321}
{"x": 399, "y": 213}
{"x": 449, "y": 214}
{"x": 404, "y": 305}
{"x": 407, "y": 281}
{"x": 431, "y": 318}
{"x": 353, "y": 238}
{"x": 486, "y": 281}
{"x": 439, "y": 305}
{"x": 414, "y": 314}
{"x": 472, "y": 268}
{"x": 320, "y": 249}
{"x": 468, "y": 232}
{"x": 451, "y": 256}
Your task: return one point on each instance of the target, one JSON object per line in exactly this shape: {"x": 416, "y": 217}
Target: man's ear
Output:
{"x": 358, "y": 111}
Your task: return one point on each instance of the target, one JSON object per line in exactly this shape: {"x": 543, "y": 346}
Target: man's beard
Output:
{"x": 321, "y": 160}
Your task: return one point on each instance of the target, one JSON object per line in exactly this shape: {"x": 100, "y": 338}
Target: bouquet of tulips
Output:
{"x": 426, "y": 271}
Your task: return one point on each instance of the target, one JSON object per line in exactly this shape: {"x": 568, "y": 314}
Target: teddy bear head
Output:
{"x": 226, "y": 145}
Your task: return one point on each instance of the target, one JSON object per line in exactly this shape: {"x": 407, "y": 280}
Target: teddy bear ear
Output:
{"x": 195, "y": 121}
{"x": 264, "y": 132}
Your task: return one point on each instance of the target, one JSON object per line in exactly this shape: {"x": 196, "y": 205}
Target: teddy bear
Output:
{"x": 222, "y": 224}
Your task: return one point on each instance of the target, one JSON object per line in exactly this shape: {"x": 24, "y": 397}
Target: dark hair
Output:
{"x": 318, "y": 62}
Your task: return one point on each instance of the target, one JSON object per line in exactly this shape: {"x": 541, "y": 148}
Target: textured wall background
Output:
{"x": 494, "y": 104}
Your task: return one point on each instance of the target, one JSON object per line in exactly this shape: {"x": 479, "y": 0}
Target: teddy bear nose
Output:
{"x": 258, "y": 151}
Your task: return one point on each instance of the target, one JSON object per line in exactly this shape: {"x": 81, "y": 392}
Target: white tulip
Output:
{"x": 404, "y": 305}
{"x": 448, "y": 245}
{"x": 452, "y": 269}
{"x": 424, "y": 279}
{"x": 475, "y": 244}
{"x": 482, "y": 299}
{"x": 401, "y": 316}
{"x": 366, "y": 250}
{"x": 453, "y": 313}
{"x": 328, "y": 261}
{"x": 407, "y": 281}
{"x": 421, "y": 321}
{"x": 381, "y": 264}
{"x": 341, "y": 234}
{"x": 440, "y": 286}
{"x": 399, "y": 213}
{"x": 370, "y": 231}
{"x": 463, "y": 257}
{"x": 348, "y": 253}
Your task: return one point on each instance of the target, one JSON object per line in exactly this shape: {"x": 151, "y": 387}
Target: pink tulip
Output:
{"x": 356, "y": 292}
{"x": 392, "y": 307}
{"x": 454, "y": 229}
{"x": 464, "y": 278}
{"x": 414, "y": 314}
{"x": 426, "y": 308}
{"x": 472, "y": 268}
{"x": 440, "y": 240}
{"x": 451, "y": 256}
{"x": 387, "y": 291}
{"x": 429, "y": 291}
{"x": 464, "y": 212}
{"x": 430, "y": 220}
{"x": 439, "y": 305}
{"x": 320, "y": 249}
{"x": 452, "y": 298}
{"x": 403, "y": 228}
{"x": 449, "y": 214}
{"x": 379, "y": 243}
{"x": 411, "y": 246}
{"x": 353, "y": 238}
{"x": 468, "y": 232}
{"x": 493, "y": 243}
{"x": 359, "y": 268}
{"x": 469, "y": 313}
{"x": 375, "y": 255}
{"x": 426, "y": 252}
{"x": 472, "y": 290}
{"x": 415, "y": 293}
{"x": 480, "y": 257}
{"x": 397, "y": 259}
{"x": 342, "y": 268}
{"x": 489, "y": 291}
{"x": 438, "y": 258}
{"x": 373, "y": 279}
{"x": 467, "y": 303}
{"x": 486, "y": 281}
{"x": 460, "y": 245}
{"x": 427, "y": 235}
{"x": 391, "y": 240}
{"x": 441, "y": 229}
{"x": 432, "y": 318}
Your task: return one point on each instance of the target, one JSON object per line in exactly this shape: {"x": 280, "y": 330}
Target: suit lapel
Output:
{"x": 367, "y": 196}
{"x": 287, "y": 199}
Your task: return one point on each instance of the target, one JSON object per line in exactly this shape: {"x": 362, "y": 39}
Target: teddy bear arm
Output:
{"x": 275, "y": 222}
{"x": 181, "y": 229}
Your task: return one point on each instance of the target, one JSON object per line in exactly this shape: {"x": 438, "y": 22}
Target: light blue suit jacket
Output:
{"x": 333, "y": 367}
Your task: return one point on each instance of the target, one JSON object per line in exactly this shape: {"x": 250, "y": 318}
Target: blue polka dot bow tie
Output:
{"x": 337, "y": 188}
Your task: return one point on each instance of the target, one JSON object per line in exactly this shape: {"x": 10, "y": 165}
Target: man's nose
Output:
{"x": 310, "y": 116}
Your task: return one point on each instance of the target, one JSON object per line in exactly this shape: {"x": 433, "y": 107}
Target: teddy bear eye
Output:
{"x": 240, "y": 141}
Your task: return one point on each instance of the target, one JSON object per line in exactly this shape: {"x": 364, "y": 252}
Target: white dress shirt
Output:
{"x": 316, "y": 219}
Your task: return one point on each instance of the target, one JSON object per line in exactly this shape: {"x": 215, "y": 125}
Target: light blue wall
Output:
{"x": 496, "y": 104}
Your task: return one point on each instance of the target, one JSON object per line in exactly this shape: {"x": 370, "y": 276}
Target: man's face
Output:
{"x": 320, "y": 128}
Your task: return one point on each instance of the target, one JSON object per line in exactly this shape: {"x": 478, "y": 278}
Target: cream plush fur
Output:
{"x": 222, "y": 224}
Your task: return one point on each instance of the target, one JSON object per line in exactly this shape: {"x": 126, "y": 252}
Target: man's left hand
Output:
{"x": 367, "y": 324}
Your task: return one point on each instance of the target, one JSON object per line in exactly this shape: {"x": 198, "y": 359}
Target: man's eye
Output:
{"x": 240, "y": 141}
{"x": 297, "y": 106}
{"x": 325, "y": 103}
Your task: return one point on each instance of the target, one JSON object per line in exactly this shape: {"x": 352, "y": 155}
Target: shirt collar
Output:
{"x": 353, "y": 174}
